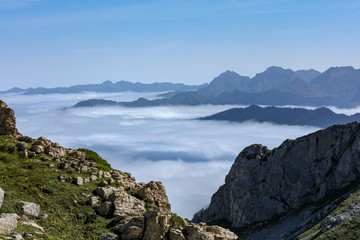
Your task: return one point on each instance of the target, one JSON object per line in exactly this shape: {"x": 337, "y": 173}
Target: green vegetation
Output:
{"x": 176, "y": 221}
{"x": 93, "y": 156}
{"x": 348, "y": 229}
{"x": 34, "y": 180}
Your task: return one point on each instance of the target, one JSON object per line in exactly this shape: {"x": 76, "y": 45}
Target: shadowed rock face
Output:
{"x": 264, "y": 184}
{"x": 7, "y": 121}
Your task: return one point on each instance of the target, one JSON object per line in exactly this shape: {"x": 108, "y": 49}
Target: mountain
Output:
{"x": 226, "y": 82}
{"x": 304, "y": 189}
{"x": 51, "y": 192}
{"x": 320, "y": 117}
{"x": 108, "y": 86}
{"x": 271, "y": 78}
{"x": 335, "y": 87}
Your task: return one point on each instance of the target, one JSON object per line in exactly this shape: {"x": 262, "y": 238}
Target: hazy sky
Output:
{"x": 64, "y": 42}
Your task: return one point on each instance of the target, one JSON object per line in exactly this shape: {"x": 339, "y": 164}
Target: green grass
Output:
{"x": 348, "y": 229}
{"x": 176, "y": 221}
{"x": 93, "y": 156}
{"x": 33, "y": 180}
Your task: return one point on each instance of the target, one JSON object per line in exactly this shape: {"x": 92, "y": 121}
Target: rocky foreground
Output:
{"x": 280, "y": 193}
{"x": 50, "y": 192}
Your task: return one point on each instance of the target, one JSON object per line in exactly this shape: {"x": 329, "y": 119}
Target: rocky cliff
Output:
{"x": 7, "y": 121}
{"x": 265, "y": 185}
{"x": 51, "y": 192}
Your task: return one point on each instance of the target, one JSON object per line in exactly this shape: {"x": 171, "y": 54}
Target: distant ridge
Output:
{"x": 108, "y": 86}
{"x": 320, "y": 117}
{"x": 338, "y": 86}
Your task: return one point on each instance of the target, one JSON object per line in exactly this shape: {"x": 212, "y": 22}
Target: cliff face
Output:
{"x": 263, "y": 185}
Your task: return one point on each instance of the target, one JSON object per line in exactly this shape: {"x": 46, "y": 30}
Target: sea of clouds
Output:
{"x": 191, "y": 157}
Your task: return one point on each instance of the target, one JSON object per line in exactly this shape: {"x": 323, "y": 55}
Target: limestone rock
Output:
{"x": 105, "y": 192}
{"x": 263, "y": 184}
{"x": 156, "y": 225}
{"x": 1, "y": 196}
{"x": 104, "y": 208}
{"x": 125, "y": 204}
{"x": 31, "y": 209}
{"x": 131, "y": 228}
{"x": 38, "y": 149}
{"x": 10, "y": 215}
{"x": 79, "y": 181}
{"x": 154, "y": 193}
{"x": 107, "y": 236}
{"x": 176, "y": 234}
{"x": 8, "y": 225}
{"x": 93, "y": 201}
{"x": 33, "y": 224}
{"x": 7, "y": 121}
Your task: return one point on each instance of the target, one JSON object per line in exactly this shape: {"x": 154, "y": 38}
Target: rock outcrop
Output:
{"x": 263, "y": 185}
{"x": 7, "y": 121}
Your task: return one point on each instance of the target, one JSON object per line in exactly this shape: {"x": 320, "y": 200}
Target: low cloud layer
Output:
{"x": 191, "y": 157}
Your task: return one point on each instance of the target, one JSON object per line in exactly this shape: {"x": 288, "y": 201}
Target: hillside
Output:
{"x": 320, "y": 117}
{"x": 51, "y": 192}
{"x": 306, "y": 188}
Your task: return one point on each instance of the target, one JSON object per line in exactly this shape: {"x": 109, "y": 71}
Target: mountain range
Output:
{"x": 337, "y": 86}
{"x": 320, "y": 117}
{"x": 108, "y": 86}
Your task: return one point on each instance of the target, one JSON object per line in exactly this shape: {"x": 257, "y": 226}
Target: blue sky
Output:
{"x": 64, "y": 42}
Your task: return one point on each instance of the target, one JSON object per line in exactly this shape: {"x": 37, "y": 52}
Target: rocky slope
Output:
{"x": 50, "y": 192}
{"x": 291, "y": 187}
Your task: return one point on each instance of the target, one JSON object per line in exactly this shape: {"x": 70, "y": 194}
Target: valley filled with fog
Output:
{"x": 191, "y": 157}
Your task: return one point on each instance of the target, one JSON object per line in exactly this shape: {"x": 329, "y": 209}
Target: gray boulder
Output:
{"x": 31, "y": 209}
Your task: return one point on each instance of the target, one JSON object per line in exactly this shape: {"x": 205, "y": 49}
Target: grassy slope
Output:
{"x": 348, "y": 229}
{"x": 33, "y": 180}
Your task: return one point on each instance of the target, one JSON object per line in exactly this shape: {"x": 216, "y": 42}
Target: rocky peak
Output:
{"x": 7, "y": 121}
{"x": 263, "y": 185}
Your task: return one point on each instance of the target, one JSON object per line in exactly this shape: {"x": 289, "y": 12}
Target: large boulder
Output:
{"x": 156, "y": 225}
{"x": 7, "y": 121}
{"x": 7, "y": 225}
{"x": 154, "y": 194}
{"x": 263, "y": 184}
{"x": 126, "y": 205}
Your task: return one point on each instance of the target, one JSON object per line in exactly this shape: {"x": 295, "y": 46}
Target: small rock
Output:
{"x": 110, "y": 181}
{"x": 31, "y": 209}
{"x": 62, "y": 178}
{"x": 85, "y": 195}
{"x": 104, "y": 208}
{"x": 93, "y": 177}
{"x": 86, "y": 179}
{"x": 102, "y": 183}
{"x": 21, "y": 146}
{"x": 79, "y": 181}
{"x": 31, "y": 154}
{"x": 107, "y": 236}
{"x": 44, "y": 216}
{"x": 17, "y": 237}
{"x": 33, "y": 224}
{"x": 93, "y": 201}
